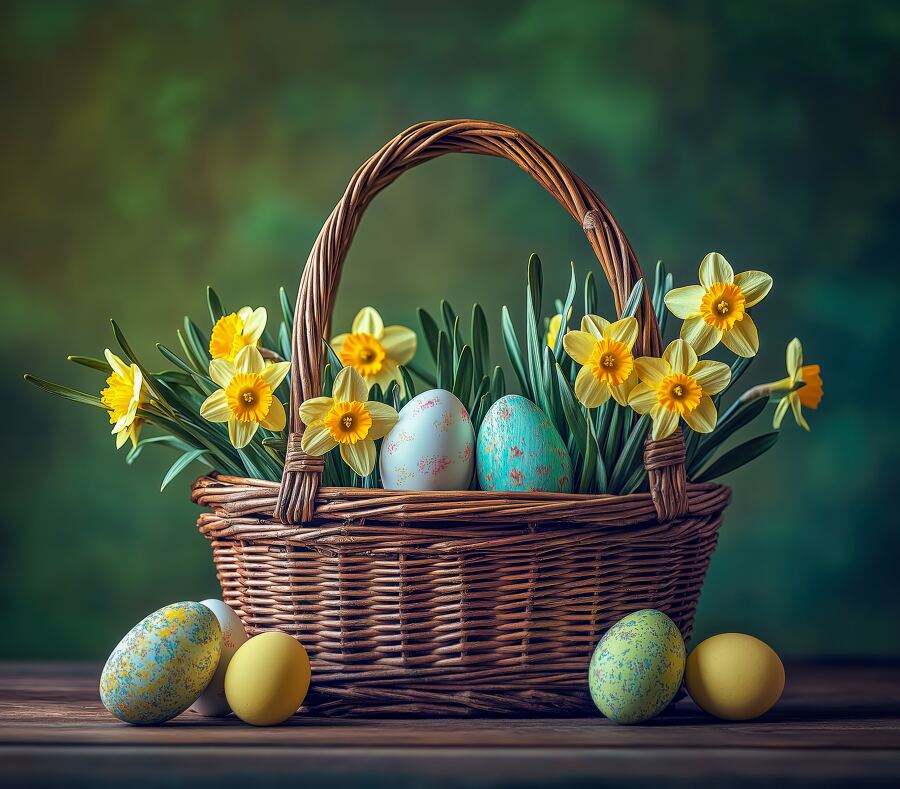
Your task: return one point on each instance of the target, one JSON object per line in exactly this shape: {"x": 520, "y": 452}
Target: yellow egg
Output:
{"x": 734, "y": 676}
{"x": 267, "y": 679}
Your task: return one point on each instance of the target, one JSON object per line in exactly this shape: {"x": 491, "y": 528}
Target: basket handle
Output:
{"x": 318, "y": 286}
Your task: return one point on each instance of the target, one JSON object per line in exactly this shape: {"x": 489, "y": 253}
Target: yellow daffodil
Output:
{"x": 374, "y": 350}
{"x": 553, "y": 329}
{"x": 247, "y": 397}
{"x": 716, "y": 310}
{"x": 235, "y": 331}
{"x": 604, "y": 350}
{"x": 125, "y": 392}
{"x": 347, "y": 420}
{"x": 678, "y": 386}
{"x": 807, "y": 396}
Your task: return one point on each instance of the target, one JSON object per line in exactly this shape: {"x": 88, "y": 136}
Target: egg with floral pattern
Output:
{"x": 520, "y": 450}
{"x": 431, "y": 447}
{"x": 162, "y": 665}
{"x": 637, "y": 667}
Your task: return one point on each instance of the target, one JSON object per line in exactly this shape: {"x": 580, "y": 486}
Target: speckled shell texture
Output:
{"x": 520, "y": 450}
{"x": 637, "y": 667}
{"x": 162, "y": 665}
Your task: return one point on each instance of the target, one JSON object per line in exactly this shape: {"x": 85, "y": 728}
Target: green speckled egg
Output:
{"x": 637, "y": 667}
{"x": 519, "y": 449}
{"x": 164, "y": 663}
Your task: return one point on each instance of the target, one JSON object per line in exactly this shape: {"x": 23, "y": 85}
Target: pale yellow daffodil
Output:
{"x": 716, "y": 310}
{"x": 807, "y": 396}
{"x": 678, "y": 386}
{"x": 604, "y": 350}
{"x": 235, "y": 331}
{"x": 125, "y": 392}
{"x": 374, "y": 350}
{"x": 347, "y": 420}
{"x": 247, "y": 398}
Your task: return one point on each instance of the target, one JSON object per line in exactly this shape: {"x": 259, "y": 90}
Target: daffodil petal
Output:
{"x": 338, "y": 341}
{"x": 368, "y": 321}
{"x": 118, "y": 366}
{"x": 134, "y": 431}
{"x": 315, "y": 408}
{"x": 700, "y": 335}
{"x": 755, "y": 286}
{"x": 221, "y": 371}
{"x": 383, "y": 418}
{"x": 215, "y": 407}
{"x": 797, "y": 408}
{"x": 665, "y": 423}
{"x": 553, "y": 330}
{"x": 241, "y": 433}
{"x": 624, "y": 331}
{"x": 399, "y": 343}
{"x": 589, "y": 391}
{"x": 594, "y": 325}
{"x": 712, "y": 376}
{"x": 703, "y": 418}
{"x": 681, "y": 356}
{"x": 244, "y": 314}
{"x": 121, "y": 438}
{"x": 276, "y": 419}
{"x": 652, "y": 370}
{"x": 780, "y": 411}
{"x": 389, "y": 372}
{"x": 360, "y": 456}
{"x": 317, "y": 439}
{"x": 794, "y": 358}
{"x": 579, "y": 345}
{"x": 249, "y": 360}
{"x": 255, "y": 324}
{"x": 643, "y": 398}
{"x": 714, "y": 268}
{"x": 743, "y": 338}
{"x": 349, "y": 386}
{"x": 274, "y": 374}
{"x": 685, "y": 302}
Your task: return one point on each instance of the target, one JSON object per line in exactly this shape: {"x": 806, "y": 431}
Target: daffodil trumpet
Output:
{"x": 235, "y": 331}
{"x": 346, "y": 419}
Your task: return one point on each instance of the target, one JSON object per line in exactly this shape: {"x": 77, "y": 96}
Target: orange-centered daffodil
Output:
{"x": 807, "y": 396}
{"x": 374, "y": 350}
{"x": 716, "y": 310}
{"x": 678, "y": 386}
{"x": 247, "y": 397}
{"x": 604, "y": 350}
{"x": 125, "y": 392}
{"x": 347, "y": 419}
{"x": 235, "y": 331}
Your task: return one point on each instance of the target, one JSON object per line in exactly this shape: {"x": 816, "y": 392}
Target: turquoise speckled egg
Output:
{"x": 520, "y": 450}
{"x": 162, "y": 665}
{"x": 637, "y": 667}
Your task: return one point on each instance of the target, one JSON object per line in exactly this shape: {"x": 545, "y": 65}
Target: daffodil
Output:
{"x": 347, "y": 420}
{"x": 235, "y": 331}
{"x": 678, "y": 386}
{"x": 374, "y": 350}
{"x": 247, "y": 397}
{"x": 553, "y": 329}
{"x": 716, "y": 310}
{"x": 125, "y": 392}
{"x": 809, "y": 395}
{"x": 604, "y": 350}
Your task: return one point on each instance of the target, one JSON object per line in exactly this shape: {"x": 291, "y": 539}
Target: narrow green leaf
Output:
{"x": 630, "y": 456}
{"x": 327, "y": 380}
{"x": 480, "y": 340}
{"x": 332, "y": 358}
{"x": 95, "y": 364}
{"x": 430, "y": 330}
{"x": 421, "y": 374}
{"x": 558, "y": 349}
{"x": 449, "y": 316}
{"x": 482, "y": 388}
{"x": 590, "y": 294}
{"x": 739, "y": 456}
{"x": 216, "y": 310}
{"x": 589, "y": 467}
{"x": 198, "y": 343}
{"x": 572, "y": 411}
{"x": 180, "y": 465}
{"x": 613, "y": 437}
{"x": 65, "y": 392}
{"x": 206, "y": 383}
{"x": 170, "y": 441}
{"x": 478, "y": 413}
{"x": 514, "y": 352}
{"x": 284, "y": 341}
{"x": 732, "y": 421}
{"x": 634, "y": 300}
{"x": 498, "y": 384}
{"x": 444, "y": 362}
{"x": 287, "y": 309}
{"x": 533, "y": 336}
{"x": 408, "y": 385}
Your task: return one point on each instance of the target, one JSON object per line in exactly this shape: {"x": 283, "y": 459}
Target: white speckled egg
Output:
{"x": 212, "y": 702}
{"x": 431, "y": 447}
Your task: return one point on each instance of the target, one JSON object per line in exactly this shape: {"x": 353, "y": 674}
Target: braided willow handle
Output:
{"x": 318, "y": 287}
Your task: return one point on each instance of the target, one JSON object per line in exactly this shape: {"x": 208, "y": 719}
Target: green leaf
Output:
{"x": 590, "y": 294}
{"x": 327, "y": 380}
{"x": 571, "y": 411}
{"x": 216, "y": 310}
{"x": 287, "y": 309}
{"x": 430, "y": 330}
{"x": 206, "y": 383}
{"x": 480, "y": 340}
{"x": 444, "y": 362}
{"x": 498, "y": 384}
{"x": 449, "y": 316}
{"x": 533, "y": 335}
{"x": 65, "y": 392}
{"x": 481, "y": 408}
{"x": 170, "y": 441}
{"x": 332, "y": 358}
{"x": 95, "y": 364}
{"x": 180, "y": 465}
{"x": 591, "y": 455}
{"x": 428, "y": 378}
{"x": 738, "y": 367}
{"x": 631, "y": 455}
{"x": 513, "y": 350}
{"x": 732, "y": 421}
{"x": 284, "y": 341}
{"x": 198, "y": 344}
{"x": 558, "y": 349}
{"x": 739, "y": 456}
{"x": 408, "y": 384}
{"x": 634, "y": 300}
{"x": 613, "y": 436}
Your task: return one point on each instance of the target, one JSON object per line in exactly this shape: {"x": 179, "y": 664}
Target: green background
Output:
{"x": 149, "y": 149}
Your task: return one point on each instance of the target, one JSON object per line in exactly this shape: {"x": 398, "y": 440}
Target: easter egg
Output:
{"x": 267, "y": 679}
{"x": 734, "y": 676}
{"x": 431, "y": 446}
{"x": 520, "y": 450}
{"x": 637, "y": 667}
{"x": 162, "y": 665}
{"x": 212, "y": 701}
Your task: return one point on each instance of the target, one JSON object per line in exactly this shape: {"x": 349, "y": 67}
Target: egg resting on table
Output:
{"x": 212, "y": 702}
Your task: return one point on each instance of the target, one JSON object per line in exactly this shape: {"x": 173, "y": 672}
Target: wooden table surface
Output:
{"x": 835, "y": 725}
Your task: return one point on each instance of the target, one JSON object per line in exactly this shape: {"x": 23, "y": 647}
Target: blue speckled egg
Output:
{"x": 164, "y": 663}
{"x": 637, "y": 667}
{"x": 520, "y": 450}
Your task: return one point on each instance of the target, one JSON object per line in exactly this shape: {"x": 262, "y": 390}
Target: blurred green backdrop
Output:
{"x": 150, "y": 148}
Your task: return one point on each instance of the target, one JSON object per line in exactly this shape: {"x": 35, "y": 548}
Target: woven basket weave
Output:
{"x": 454, "y": 602}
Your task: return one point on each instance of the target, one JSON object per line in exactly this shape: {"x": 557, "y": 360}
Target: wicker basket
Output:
{"x": 462, "y": 602}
